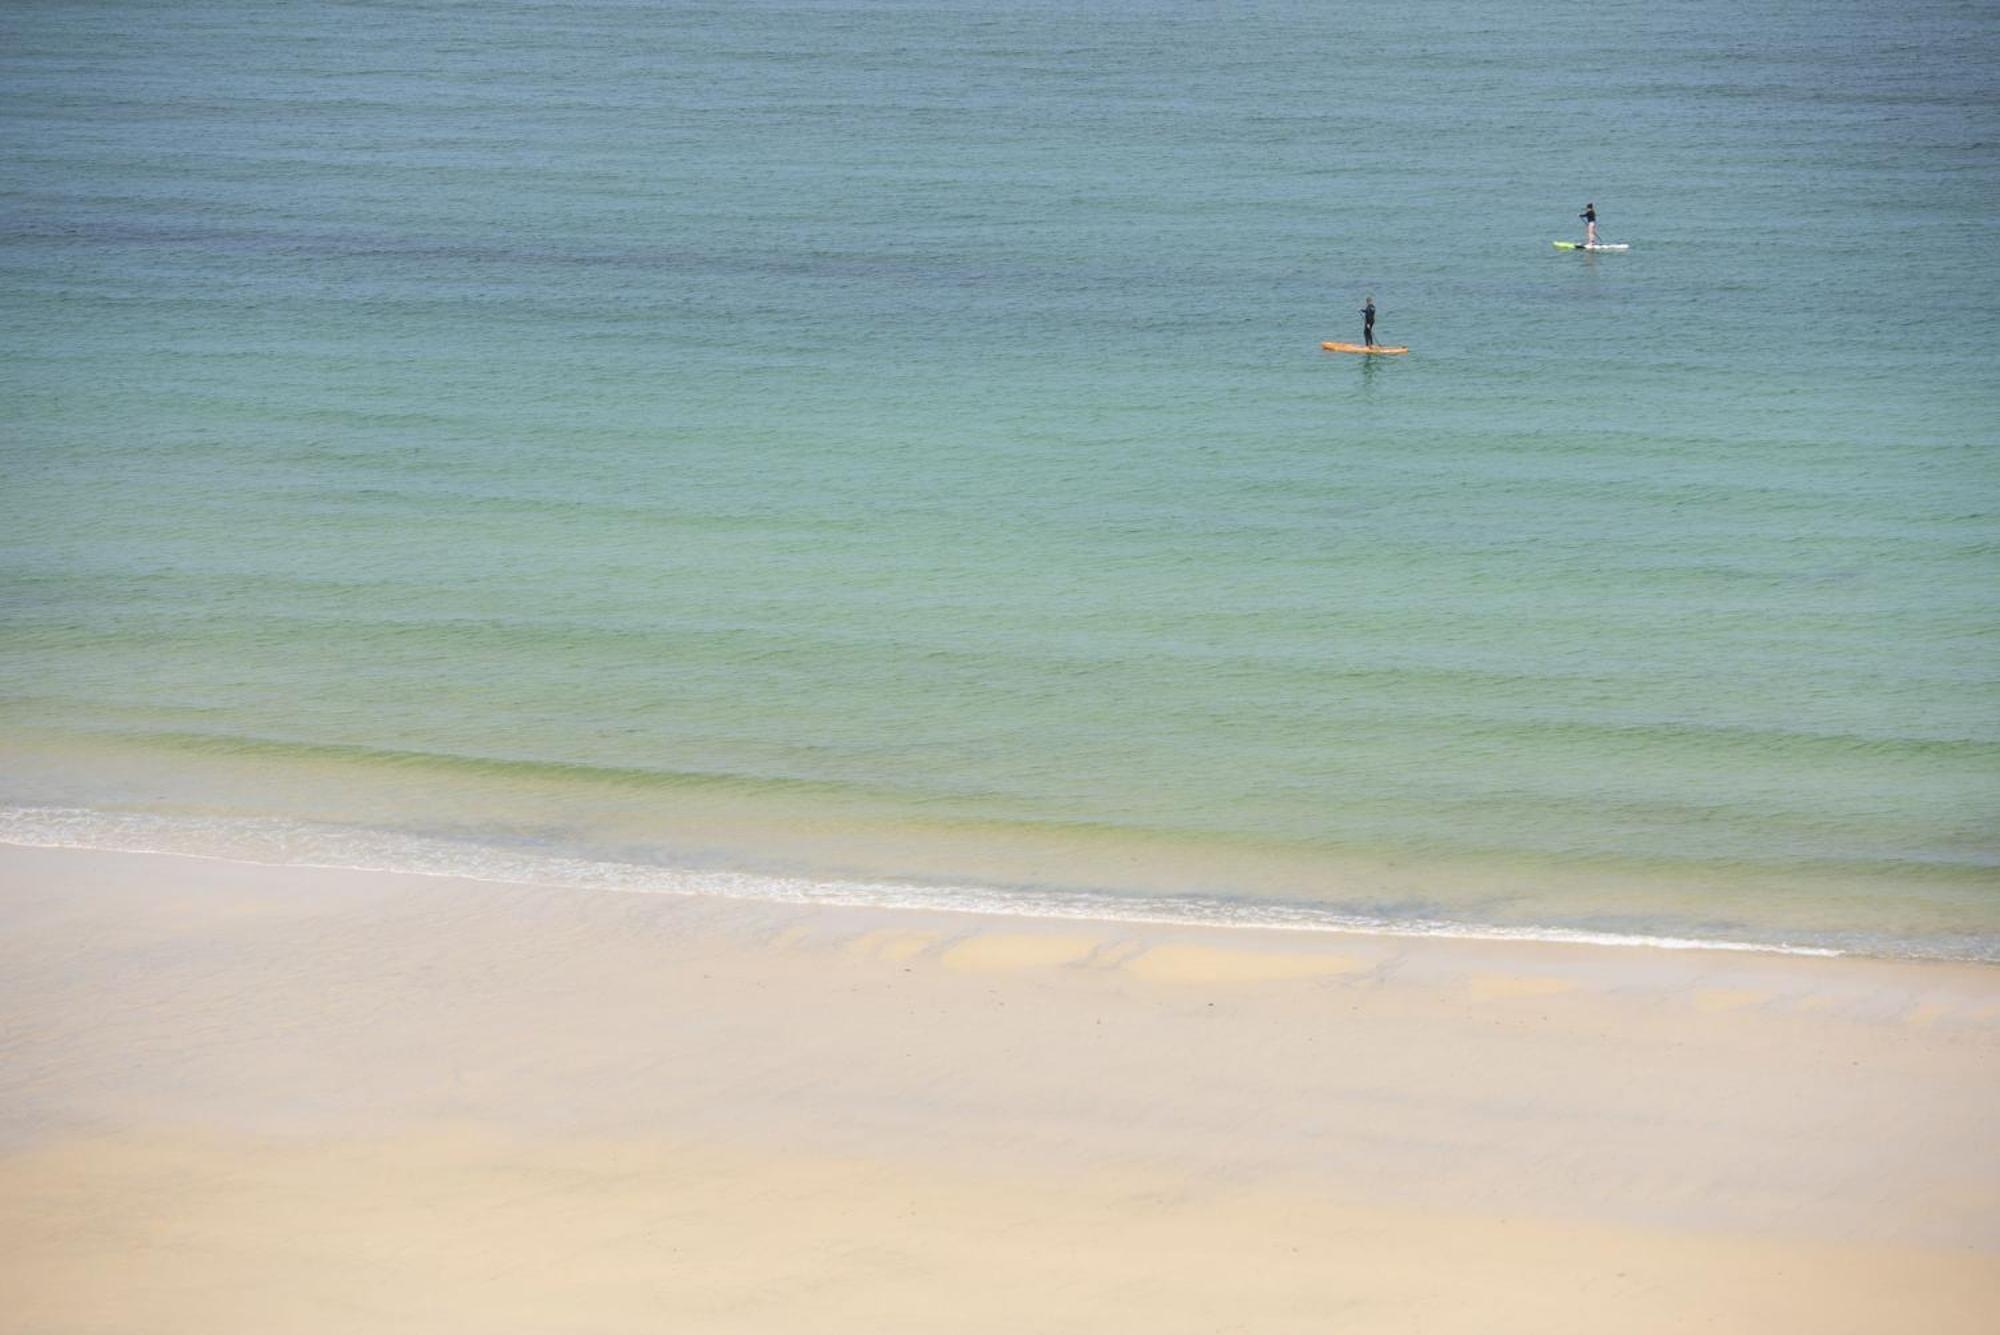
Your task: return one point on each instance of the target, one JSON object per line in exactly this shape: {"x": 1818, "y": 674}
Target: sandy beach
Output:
{"x": 242, "y": 1097}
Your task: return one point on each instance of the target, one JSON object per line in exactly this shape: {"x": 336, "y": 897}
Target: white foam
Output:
{"x": 267, "y": 842}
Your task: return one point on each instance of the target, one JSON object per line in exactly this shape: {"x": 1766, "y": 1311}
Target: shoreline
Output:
{"x": 322, "y": 1100}
{"x": 1057, "y": 906}
{"x": 387, "y": 853}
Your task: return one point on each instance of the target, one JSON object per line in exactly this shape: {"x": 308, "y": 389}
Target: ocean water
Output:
{"x": 881, "y": 450}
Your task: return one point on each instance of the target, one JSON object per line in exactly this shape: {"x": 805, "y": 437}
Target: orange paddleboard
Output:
{"x": 1369, "y": 349}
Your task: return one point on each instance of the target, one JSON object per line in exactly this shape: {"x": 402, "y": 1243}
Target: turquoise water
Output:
{"x": 888, "y": 443}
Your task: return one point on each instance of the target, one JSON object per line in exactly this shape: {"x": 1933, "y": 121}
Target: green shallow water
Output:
{"x": 890, "y": 440}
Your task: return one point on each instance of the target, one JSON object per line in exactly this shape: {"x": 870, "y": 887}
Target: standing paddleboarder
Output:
{"x": 1368, "y": 322}
{"x": 1589, "y": 216}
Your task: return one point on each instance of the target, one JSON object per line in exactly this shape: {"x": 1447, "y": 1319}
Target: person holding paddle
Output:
{"x": 1367, "y": 346}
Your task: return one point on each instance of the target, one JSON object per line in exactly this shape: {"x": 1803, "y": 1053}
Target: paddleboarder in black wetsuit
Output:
{"x": 1589, "y": 216}
{"x": 1368, "y": 323}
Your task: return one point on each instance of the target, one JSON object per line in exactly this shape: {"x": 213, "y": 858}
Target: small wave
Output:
{"x": 294, "y": 844}
{"x": 238, "y": 745}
